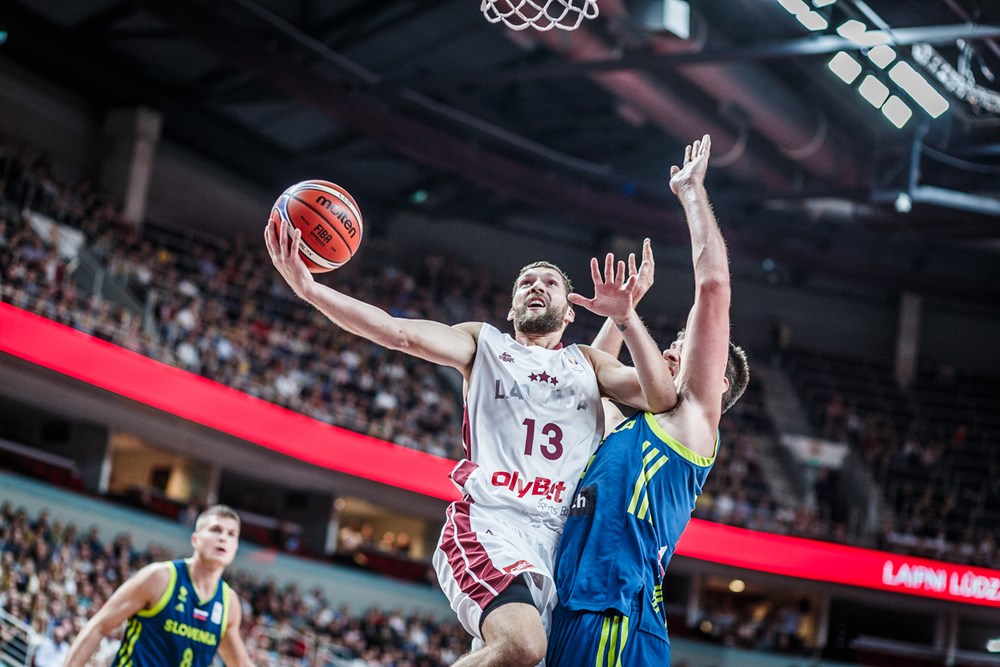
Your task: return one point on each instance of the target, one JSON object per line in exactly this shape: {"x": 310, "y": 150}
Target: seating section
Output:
{"x": 931, "y": 449}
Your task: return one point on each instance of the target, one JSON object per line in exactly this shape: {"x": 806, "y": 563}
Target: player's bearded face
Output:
{"x": 534, "y": 321}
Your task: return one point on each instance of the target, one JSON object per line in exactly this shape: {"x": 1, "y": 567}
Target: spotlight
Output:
{"x": 904, "y": 203}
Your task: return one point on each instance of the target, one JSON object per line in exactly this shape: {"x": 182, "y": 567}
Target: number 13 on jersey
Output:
{"x": 552, "y": 449}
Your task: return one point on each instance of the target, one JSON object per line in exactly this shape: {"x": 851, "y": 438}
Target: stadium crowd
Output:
{"x": 210, "y": 309}
{"x": 55, "y": 576}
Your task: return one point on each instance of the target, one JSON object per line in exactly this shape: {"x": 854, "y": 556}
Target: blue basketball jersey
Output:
{"x": 634, "y": 500}
{"x": 180, "y": 630}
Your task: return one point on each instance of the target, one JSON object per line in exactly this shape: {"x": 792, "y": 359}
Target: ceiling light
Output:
{"x": 993, "y": 645}
{"x": 896, "y": 111}
{"x": 881, "y": 55}
{"x": 737, "y": 586}
{"x": 795, "y": 7}
{"x": 823, "y": 3}
{"x": 812, "y": 21}
{"x": 844, "y": 66}
{"x": 852, "y": 29}
{"x": 873, "y": 90}
{"x": 917, "y": 87}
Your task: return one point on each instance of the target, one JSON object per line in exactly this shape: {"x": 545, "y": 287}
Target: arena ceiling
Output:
{"x": 424, "y": 104}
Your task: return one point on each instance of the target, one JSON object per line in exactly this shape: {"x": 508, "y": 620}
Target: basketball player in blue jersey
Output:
{"x": 638, "y": 491}
{"x": 533, "y": 419}
{"x": 180, "y": 613}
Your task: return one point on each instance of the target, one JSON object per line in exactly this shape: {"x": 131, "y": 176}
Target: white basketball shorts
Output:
{"x": 482, "y": 550}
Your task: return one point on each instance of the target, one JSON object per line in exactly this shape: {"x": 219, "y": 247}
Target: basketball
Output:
{"x": 329, "y": 219}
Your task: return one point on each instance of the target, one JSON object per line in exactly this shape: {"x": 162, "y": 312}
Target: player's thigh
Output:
{"x": 515, "y": 623}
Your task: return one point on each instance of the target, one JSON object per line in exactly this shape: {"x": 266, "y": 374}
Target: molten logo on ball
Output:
{"x": 338, "y": 213}
{"x": 329, "y": 219}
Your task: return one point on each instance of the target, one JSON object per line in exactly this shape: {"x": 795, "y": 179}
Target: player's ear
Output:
{"x": 570, "y": 315}
{"x": 725, "y": 384}
{"x": 510, "y": 314}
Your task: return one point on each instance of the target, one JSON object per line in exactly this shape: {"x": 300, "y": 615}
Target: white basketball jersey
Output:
{"x": 533, "y": 418}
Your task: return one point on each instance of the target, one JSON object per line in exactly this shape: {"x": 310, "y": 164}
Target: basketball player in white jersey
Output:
{"x": 533, "y": 418}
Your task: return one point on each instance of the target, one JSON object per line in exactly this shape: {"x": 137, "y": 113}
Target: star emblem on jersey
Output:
{"x": 506, "y": 358}
{"x": 544, "y": 377}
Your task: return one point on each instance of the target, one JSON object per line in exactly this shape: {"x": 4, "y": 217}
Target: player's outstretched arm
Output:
{"x": 232, "y": 649}
{"x": 609, "y": 339}
{"x": 706, "y": 339}
{"x": 647, "y": 386}
{"x": 140, "y": 592}
{"x": 433, "y": 341}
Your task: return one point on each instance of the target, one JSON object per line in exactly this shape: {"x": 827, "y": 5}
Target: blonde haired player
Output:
{"x": 181, "y": 612}
{"x": 533, "y": 418}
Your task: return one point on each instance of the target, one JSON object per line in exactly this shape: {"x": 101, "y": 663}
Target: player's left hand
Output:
{"x": 613, "y": 294}
{"x": 695, "y": 165}
{"x": 644, "y": 274}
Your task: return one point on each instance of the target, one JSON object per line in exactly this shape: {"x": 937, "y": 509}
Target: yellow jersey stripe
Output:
{"x": 165, "y": 598}
{"x": 225, "y": 609}
{"x": 656, "y": 466}
{"x": 129, "y": 648}
{"x": 613, "y": 642}
{"x": 649, "y": 456}
{"x": 670, "y": 441}
{"x": 640, "y": 484}
{"x": 644, "y": 507}
{"x": 622, "y": 641}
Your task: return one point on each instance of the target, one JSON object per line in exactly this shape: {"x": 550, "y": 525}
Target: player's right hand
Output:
{"x": 282, "y": 243}
{"x": 695, "y": 165}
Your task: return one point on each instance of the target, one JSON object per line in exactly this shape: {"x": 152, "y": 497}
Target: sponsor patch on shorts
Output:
{"x": 519, "y": 566}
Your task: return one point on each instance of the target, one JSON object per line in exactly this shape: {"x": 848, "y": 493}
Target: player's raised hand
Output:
{"x": 613, "y": 293}
{"x": 282, "y": 243}
{"x": 695, "y": 165}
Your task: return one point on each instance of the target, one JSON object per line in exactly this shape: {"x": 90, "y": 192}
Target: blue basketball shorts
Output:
{"x": 604, "y": 639}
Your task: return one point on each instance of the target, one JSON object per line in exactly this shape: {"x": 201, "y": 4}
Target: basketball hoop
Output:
{"x": 539, "y": 14}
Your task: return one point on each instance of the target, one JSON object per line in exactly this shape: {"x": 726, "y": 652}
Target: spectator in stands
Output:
{"x": 54, "y": 648}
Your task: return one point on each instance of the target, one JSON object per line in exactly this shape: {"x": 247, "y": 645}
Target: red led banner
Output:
{"x": 200, "y": 400}
{"x": 197, "y": 399}
{"x": 840, "y": 564}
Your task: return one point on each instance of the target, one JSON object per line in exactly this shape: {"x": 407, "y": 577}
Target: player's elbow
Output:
{"x": 662, "y": 403}
{"x": 713, "y": 283}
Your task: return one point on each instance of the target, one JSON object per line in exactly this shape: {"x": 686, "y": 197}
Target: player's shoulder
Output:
{"x": 687, "y": 430}
{"x": 152, "y": 581}
{"x": 162, "y": 569}
{"x": 471, "y": 328}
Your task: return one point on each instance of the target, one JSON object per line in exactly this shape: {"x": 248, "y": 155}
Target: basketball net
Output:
{"x": 539, "y": 14}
